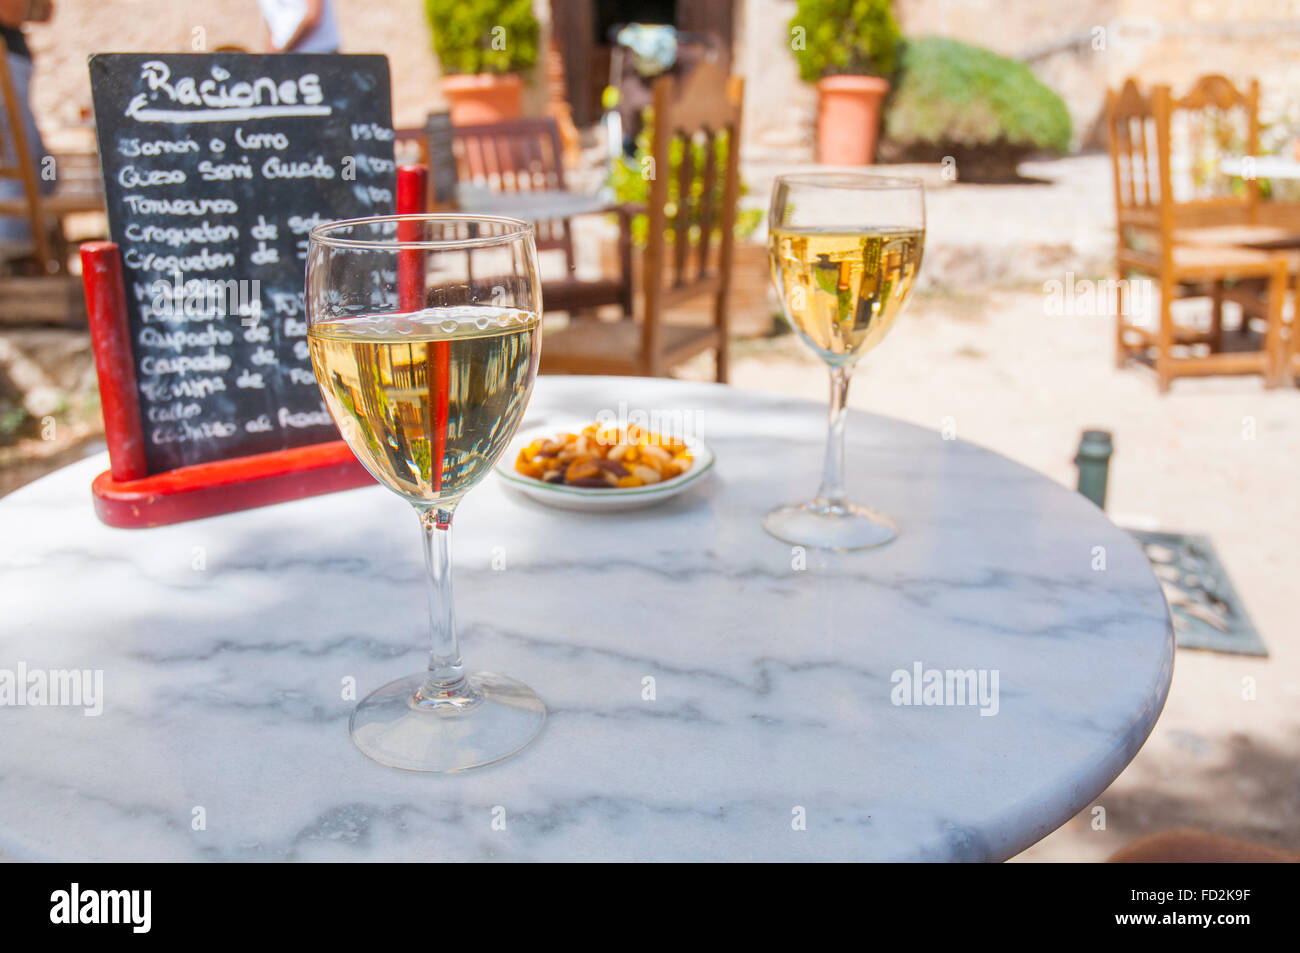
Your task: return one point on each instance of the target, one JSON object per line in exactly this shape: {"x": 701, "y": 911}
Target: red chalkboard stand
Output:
{"x": 127, "y": 495}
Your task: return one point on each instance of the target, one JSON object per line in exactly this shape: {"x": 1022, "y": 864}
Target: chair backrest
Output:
{"x": 1138, "y": 127}
{"x": 1214, "y": 120}
{"x": 16, "y": 163}
{"x": 518, "y": 155}
{"x": 1154, "y": 134}
{"x": 691, "y": 232}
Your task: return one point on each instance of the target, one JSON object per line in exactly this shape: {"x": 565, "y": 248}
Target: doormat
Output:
{"x": 1206, "y": 611}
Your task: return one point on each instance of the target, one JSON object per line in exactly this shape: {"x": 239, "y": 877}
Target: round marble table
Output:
{"x": 712, "y": 693}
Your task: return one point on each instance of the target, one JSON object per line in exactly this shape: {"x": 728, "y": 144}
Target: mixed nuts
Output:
{"x": 604, "y": 458}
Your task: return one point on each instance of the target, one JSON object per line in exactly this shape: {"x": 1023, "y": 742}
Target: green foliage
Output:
{"x": 951, "y": 94}
{"x": 483, "y": 36}
{"x": 857, "y": 37}
{"x": 14, "y": 419}
{"x": 632, "y": 186}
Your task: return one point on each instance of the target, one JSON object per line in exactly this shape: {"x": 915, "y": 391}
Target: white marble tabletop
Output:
{"x": 771, "y": 734}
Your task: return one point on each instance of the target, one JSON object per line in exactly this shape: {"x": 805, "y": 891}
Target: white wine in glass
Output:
{"x": 382, "y": 380}
{"x": 425, "y": 336}
{"x": 844, "y": 251}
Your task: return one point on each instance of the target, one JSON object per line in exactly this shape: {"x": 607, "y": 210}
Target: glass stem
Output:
{"x": 446, "y": 685}
{"x": 830, "y": 498}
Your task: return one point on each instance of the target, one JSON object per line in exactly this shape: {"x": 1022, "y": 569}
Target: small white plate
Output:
{"x": 594, "y": 499}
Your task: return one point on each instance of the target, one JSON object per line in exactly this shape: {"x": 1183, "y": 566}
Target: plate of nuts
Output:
{"x": 598, "y": 468}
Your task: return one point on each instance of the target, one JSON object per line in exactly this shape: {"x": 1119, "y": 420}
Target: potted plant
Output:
{"x": 483, "y": 47}
{"x": 848, "y": 48}
{"x": 984, "y": 112}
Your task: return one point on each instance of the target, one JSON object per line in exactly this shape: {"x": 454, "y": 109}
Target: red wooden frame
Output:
{"x": 127, "y": 495}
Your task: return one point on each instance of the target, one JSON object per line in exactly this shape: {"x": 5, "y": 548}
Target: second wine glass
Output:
{"x": 844, "y": 251}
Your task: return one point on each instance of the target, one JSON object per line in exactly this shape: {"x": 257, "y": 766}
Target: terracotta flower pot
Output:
{"x": 848, "y": 118}
{"x": 484, "y": 97}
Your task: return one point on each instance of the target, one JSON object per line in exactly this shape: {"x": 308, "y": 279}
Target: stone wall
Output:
{"x": 780, "y": 110}
{"x": 1076, "y": 46}
{"x": 81, "y": 27}
{"x": 1174, "y": 42}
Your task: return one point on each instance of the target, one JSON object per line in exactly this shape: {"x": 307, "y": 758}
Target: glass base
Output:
{"x": 837, "y": 528}
{"x": 491, "y": 719}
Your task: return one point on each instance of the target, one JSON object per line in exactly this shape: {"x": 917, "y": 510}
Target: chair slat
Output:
{"x": 707, "y": 203}
{"x": 685, "y": 205}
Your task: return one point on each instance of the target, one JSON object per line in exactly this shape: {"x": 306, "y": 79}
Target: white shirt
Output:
{"x": 283, "y": 17}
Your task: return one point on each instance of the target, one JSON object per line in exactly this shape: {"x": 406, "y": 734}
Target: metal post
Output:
{"x": 1093, "y": 461}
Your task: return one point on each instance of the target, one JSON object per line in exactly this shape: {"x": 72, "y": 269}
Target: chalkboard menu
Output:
{"x": 216, "y": 167}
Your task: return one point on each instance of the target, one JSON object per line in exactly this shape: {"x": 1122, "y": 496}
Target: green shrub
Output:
{"x": 858, "y": 37}
{"x": 955, "y": 97}
{"x": 632, "y": 187}
{"x": 465, "y": 33}
{"x": 15, "y": 421}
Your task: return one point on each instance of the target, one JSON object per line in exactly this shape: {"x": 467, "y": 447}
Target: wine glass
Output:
{"x": 844, "y": 250}
{"x": 425, "y": 334}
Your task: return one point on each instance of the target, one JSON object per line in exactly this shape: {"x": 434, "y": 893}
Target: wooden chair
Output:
{"x": 1215, "y": 119}
{"x": 1287, "y": 366}
{"x": 1151, "y": 243}
{"x": 519, "y": 155}
{"x": 16, "y": 164}
{"x": 697, "y": 110}
{"x": 1203, "y": 126}
{"x": 527, "y": 155}
{"x": 79, "y": 189}
{"x": 1235, "y": 218}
